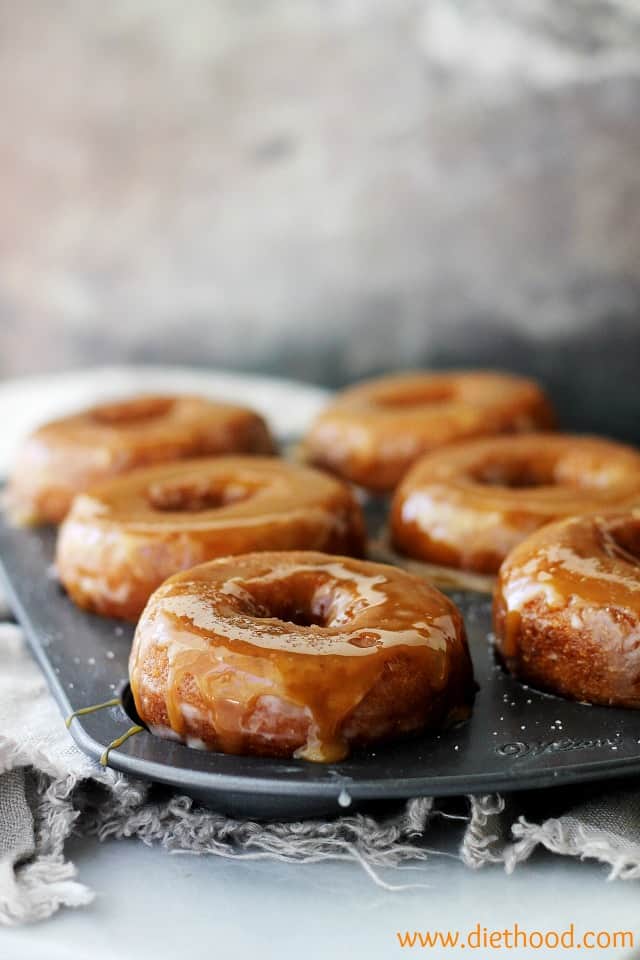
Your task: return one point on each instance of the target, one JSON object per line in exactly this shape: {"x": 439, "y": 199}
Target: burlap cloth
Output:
{"x": 50, "y": 790}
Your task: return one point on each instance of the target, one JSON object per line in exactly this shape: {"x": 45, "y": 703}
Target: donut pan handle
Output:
{"x": 517, "y": 737}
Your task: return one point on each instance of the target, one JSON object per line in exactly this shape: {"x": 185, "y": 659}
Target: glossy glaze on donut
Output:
{"x": 298, "y": 654}
{"x": 467, "y": 506}
{"x": 567, "y": 609}
{"x": 122, "y": 538}
{"x": 66, "y": 456}
{"x": 373, "y": 432}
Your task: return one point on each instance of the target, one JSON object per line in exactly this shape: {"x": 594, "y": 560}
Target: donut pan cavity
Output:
{"x": 517, "y": 737}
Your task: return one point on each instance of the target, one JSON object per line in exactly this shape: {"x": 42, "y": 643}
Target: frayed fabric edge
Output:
{"x": 481, "y": 841}
{"x": 570, "y": 838}
{"x": 36, "y": 889}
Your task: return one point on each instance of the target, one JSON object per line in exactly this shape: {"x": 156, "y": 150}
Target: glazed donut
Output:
{"x": 298, "y": 654}
{"x": 567, "y": 609}
{"x": 122, "y": 538}
{"x": 66, "y": 456}
{"x": 374, "y": 431}
{"x": 467, "y": 506}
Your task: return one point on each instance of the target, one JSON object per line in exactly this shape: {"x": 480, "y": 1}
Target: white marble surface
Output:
{"x": 151, "y": 904}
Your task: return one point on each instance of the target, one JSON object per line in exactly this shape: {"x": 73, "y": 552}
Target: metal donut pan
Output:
{"x": 517, "y": 738}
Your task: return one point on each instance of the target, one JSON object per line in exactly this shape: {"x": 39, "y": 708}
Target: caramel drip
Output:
{"x": 92, "y": 709}
{"x": 233, "y": 685}
{"x": 234, "y": 688}
{"x": 510, "y": 633}
{"x": 136, "y": 728}
{"x": 116, "y": 702}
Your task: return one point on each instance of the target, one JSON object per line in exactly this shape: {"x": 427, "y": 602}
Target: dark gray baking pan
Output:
{"x": 517, "y": 737}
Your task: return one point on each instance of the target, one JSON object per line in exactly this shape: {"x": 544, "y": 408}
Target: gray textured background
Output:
{"x": 326, "y": 189}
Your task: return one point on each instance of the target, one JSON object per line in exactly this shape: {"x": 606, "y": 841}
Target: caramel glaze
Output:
{"x": 567, "y": 609}
{"x": 466, "y": 507}
{"x": 374, "y": 431}
{"x": 66, "y": 456}
{"x": 122, "y": 538}
{"x": 298, "y": 654}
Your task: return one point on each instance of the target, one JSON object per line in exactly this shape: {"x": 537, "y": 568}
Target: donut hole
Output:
{"x": 299, "y": 616}
{"x": 194, "y": 496}
{"x": 132, "y": 411}
{"x": 515, "y": 474}
{"x": 624, "y": 537}
{"x": 289, "y": 610}
{"x": 412, "y": 395}
{"x": 303, "y": 600}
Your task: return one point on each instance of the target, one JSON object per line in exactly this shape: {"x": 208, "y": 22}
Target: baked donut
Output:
{"x": 374, "y": 431}
{"x": 567, "y": 609}
{"x": 121, "y": 539}
{"x": 466, "y": 507}
{"x": 298, "y": 654}
{"x": 66, "y": 456}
